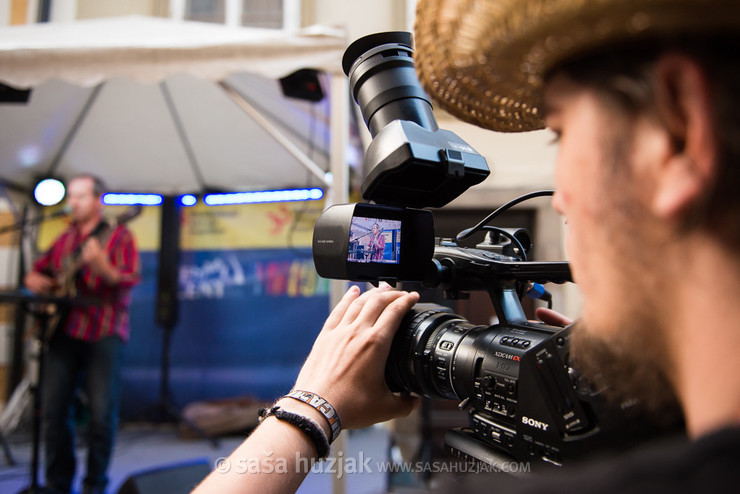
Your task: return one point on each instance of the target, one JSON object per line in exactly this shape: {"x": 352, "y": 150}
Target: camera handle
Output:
{"x": 507, "y": 304}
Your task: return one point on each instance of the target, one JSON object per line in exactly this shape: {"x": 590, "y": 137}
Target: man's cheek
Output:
{"x": 577, "y": 249}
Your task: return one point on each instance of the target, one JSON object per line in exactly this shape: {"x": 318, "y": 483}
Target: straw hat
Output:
{"x": 484, "y": 61}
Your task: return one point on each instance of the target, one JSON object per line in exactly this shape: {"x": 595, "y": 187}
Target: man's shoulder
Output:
{"x": 68, "y": 232}
{"x": 675, "y": 466}
{"x": 123, "y": 232}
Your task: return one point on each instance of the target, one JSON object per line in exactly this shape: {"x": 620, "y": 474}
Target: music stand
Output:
{"x": 23, "y": 300}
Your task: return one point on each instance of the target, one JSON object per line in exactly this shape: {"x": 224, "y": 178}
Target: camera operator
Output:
{"x": 642, "y": 96}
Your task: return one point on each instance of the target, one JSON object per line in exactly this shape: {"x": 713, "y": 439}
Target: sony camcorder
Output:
{"x": 524, "y": 397}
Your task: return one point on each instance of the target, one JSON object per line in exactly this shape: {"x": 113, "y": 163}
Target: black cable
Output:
{"x": 508, "y": 235}
{"x": 468, "y": 232}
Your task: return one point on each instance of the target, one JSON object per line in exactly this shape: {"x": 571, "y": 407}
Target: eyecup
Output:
{"x": 362, "y": 45}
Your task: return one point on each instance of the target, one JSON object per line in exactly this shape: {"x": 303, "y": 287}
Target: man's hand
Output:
{"x": 549, "y": 316}
{"x": 94, "y": 255}
{"x": 39, "y": 283}
{"x": 347, "y": 363}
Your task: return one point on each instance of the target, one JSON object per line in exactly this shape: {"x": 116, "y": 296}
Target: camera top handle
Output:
{"x": 459, "y": 270}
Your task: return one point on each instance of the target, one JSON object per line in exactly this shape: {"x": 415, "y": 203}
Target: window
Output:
{"x": 205, "y": 10}
{"x": 262, "y": 13}
{"x": 271, "y": 14}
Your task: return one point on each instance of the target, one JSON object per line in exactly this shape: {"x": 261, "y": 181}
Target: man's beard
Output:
{"x": 627, "y": 372}
{"x": 628, "y": 362}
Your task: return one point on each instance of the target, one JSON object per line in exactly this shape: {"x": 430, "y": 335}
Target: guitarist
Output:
{"x": 99, "y": 261}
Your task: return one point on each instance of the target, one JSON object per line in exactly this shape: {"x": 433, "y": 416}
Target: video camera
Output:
{"x": 524, "y": 397}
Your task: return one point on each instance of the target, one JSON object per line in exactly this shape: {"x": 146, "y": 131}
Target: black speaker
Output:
{"x": 303, "y": 84}
{"x": 9, "y": 94}
{"x": 169, "y": 264}
{"x": 170, "y": 479}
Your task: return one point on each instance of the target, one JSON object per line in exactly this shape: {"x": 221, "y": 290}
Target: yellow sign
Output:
{"x": 144, "y": 227}
{"x": 249, "y": 226}
{"x": 243, "y": 226}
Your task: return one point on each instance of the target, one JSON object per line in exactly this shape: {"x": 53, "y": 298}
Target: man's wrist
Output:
{"x": 323, "y": 406}
{"x": 291, "y": 405}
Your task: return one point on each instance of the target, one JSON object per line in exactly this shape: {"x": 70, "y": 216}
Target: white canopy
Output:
{"x": 149, "y": 49}
{"x": 150, "y": 119}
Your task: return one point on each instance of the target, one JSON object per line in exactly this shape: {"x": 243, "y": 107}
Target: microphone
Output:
{"x": 65, "y": 211}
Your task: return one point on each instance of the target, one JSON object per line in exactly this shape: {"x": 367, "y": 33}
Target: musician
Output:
{"x": 376, "y": 245}
{"x": 102, "y": 263}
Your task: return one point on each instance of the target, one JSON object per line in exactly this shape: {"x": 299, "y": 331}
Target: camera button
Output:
{"x": 488, "y": 382}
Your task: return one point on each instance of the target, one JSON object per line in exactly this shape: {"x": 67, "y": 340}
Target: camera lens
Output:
{"x": 383, "y": 81}
{"x": 434, "y": 353}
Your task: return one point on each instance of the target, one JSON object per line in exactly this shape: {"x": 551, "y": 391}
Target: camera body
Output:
{"x": 524, "y": 398}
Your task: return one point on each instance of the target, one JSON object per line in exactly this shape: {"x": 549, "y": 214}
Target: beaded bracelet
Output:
{"x": 323, "y": 406}
{"x": 314, "y": 432}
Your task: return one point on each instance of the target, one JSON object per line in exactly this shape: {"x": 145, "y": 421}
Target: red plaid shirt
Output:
{"x": 110, "y": 316}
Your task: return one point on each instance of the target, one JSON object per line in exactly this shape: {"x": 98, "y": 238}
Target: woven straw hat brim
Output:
{"x": 484, "y": 61}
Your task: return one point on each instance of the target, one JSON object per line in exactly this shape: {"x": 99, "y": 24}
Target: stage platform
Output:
{"x": 143, "y": 446}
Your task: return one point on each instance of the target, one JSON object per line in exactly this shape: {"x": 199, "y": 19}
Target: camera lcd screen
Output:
{"x": 374, "y": 240}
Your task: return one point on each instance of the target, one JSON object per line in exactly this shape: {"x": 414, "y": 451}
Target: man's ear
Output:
{"x": 682, "y": 100}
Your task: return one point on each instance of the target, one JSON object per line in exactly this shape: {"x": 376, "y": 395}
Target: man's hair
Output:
{"x": 99, "y": 187}
{"x": 624, "y": 78}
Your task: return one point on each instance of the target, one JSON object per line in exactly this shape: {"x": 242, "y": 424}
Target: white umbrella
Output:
{"x": 133, "y": 99}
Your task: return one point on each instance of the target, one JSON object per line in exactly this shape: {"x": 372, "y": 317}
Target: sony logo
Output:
{"x": 535, "y": 423}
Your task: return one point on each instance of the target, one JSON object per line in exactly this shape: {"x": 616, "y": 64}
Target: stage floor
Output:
{"x": 142, "y": 447}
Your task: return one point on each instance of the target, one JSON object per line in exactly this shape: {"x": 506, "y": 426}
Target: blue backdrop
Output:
{"x": 247, "y": 320}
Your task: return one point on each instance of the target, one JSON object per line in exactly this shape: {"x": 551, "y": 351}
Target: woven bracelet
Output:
{"x": 323, "y": 406}
{"x": 313, "y": 430}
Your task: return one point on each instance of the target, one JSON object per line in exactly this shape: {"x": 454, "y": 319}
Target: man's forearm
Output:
{"x": 275, "y": 459}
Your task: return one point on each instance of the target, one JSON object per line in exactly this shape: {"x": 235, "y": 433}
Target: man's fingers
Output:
{"x": 340, "y": 309}
{"x": 356, "y": 307}
{"x": 375, "y": 306}
{"x": 387, "y": 323}
{"x": 551, "y": 317}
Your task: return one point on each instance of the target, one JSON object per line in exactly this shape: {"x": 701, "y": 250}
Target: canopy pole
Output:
{"x": 338, "y": 194}
{"x": 276, "y": 134}
{"x": 75, "y": 128}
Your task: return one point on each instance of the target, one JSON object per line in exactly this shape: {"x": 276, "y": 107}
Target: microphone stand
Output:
{"x": 24, "y": 222}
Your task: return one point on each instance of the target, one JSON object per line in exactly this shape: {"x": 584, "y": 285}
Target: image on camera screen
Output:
{"x": 374, "y": 240}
